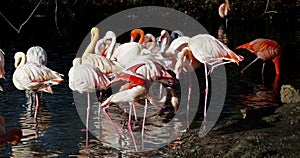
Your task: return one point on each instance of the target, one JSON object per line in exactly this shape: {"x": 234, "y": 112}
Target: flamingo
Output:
{"x": 128, "y": 51}
{"x": 34, "y": 77}
{"x": 206, "y": 49}
{"x": 2, "y": 71}
{"x": 13, "y": 136}
{"x": 137, "y": 88}
{"x": 175, "y": 34}
{"x": 86, "y": 78}
{"x": 36, "y": 54}
{"x": 264, "y": 49}
{"x": 107, "y": 45}
{"x": 105, "y": 65}
{"x": 223, "y": 10}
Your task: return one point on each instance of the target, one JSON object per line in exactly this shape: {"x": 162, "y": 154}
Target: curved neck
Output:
{"x": 152, "y": 43}
{"x": 134, "y": 33}
{"x": 94, "y": 38}
{"x": 111, "y": 46}
{"x": 20, "y": 59}
{"x": 165, "y": 40}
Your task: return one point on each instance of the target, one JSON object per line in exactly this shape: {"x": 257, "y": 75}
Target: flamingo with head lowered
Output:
{"x": 206, "y": 49}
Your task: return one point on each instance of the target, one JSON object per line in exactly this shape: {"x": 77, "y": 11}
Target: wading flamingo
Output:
{"x": 13, "y": 136}
{"x": 34, "y": 77}
{"x": 135, "y": 90}
{"x": 264, "y": 49}
{"x": 207, "y": 49}
{"x": 223, "y": 11}
{"x": 86, "y": 78}
{"x": 2, "y": 71}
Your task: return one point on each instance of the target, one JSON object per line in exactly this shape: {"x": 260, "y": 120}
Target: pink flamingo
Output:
{"x": 34, "y": 77}
{"x": 86, "y": 78}
{"x": 206, "y": 49}
{"x": 264, "y": 49}
{"x": 223, "y": 10}
{"x": 2, "y": 71}
{"x": 13, "y": 136}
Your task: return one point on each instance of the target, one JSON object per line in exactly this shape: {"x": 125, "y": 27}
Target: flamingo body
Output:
{"x": 265, "y": 49}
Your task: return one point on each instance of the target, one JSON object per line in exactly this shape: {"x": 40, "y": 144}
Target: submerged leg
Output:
{"x": 112, "y": 122}
{"x": 144, "y": 120}
{"x": 36, "y": 106}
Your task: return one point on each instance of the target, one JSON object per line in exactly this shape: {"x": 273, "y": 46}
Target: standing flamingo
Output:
{"x": 223, "y": 11}
{"x": 264, "y": 49}
{"x": 34, "y": 77}
{"x": 13, "y": 136}
{"x": 2, "y": 71}
{"x": 207, "y": 49}
{"x": 86, "y": 78}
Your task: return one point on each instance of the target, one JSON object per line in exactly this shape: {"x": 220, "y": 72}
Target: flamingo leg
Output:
{"x": 107, "y": 115}
{"x": 99, "y": 111}
{"x": 160, "y": 91}
{"x": 87, "y": 121}
{"x": 262, "y": 73}
{"x": 188, "y": 100}
{"x": 242, "y": 71}
{"x": 134, "y": 112}
{"x": 36, "y": 106}
{"x": 213, "y": 67}
{"x": 206, "y": 94}
{"x": 129, "y": 127}
{"x": 144, "y": 120}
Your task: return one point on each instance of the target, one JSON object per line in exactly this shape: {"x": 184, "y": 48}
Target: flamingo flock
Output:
{"x": 134, "y": 67}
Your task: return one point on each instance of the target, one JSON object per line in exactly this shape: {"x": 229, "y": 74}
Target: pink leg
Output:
{"x": 160, "y": 91}
{"x": 107, "y": 115}
{"x": 206, "y": 94}
{"x": 129, "y": 127}
{"x": 144, "y": 120}
{"x": 188, "y": 101}
{"x": 37, "y": 104}
{"x": 87, "y": 122}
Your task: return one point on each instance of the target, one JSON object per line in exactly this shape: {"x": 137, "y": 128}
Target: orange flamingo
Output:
{"x": 223, "y": 10}
{"x": 13, "y": 136}
{"x": 264, "y": 49}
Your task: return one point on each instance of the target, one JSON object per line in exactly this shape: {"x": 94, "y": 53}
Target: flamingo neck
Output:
{"x": 134, "y": 33}
{"x": 94, "y": 40}
{"x": 111, "y": 47}
{"x": 165, "y": 42}
{"x": 20, "y": 59}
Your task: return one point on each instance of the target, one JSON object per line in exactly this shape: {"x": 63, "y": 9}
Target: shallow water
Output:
{"x": 60, "y": 129}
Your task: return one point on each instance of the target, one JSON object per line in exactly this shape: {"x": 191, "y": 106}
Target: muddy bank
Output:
{"x": 275, "y": 135}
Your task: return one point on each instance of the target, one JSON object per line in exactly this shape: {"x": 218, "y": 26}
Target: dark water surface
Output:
{"x": 60, "y": 131}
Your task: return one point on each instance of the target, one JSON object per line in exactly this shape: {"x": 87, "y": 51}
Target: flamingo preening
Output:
{"x": 34, "y": 77}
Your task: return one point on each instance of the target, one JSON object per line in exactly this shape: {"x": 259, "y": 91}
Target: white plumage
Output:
{"x": 36, "y": 55}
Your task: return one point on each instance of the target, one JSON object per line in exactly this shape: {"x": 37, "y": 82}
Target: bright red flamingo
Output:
{"x": 13, "y": 136}
{"x": 264, "y": 49}
{"x": 206, "y": 49}
{"x": 223, "y": 10}
{"x": 34, "y": 77}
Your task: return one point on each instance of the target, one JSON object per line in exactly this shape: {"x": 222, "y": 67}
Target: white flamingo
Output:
{"x": 36, "y": 54}
{"x": 207, "y": 49}
{"x": 34, "y": 77}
